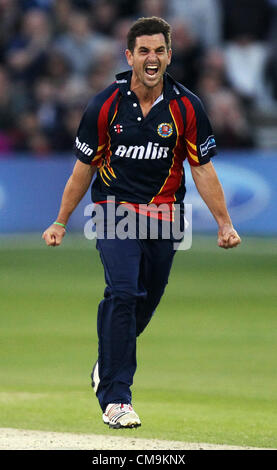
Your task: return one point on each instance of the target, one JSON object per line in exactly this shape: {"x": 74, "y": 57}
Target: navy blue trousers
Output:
{"x": 136, "y": 274}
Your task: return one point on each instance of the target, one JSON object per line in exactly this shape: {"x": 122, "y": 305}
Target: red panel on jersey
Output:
{"x": 173, "y": 181}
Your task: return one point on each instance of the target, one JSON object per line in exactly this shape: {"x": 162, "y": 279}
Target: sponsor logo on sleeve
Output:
{"x": 207, "y": 145}
{"x": 83, "y": 147}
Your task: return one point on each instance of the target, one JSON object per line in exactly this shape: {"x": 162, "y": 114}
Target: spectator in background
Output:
{"x": 63, "y": 137}
{"x": 30, "y": 137}
{"x": 251, "y": 18}
{"x": 122, "y": 27}
{"x": 12, "y": 102}
{"x": 57, "y": 68}
{"x": 271, "y": 65}
{"x": 61, "y": 11}
{"x": 223, "y": 106}
{"x": 186, "y": 60}
{"x": 96, "y": 77}
{"x": 78, "y": 89}
{"x": 74, "y": 91}
{"x": 80, "y": 45}
{"x": 148, "y": 8}
{"x": 7, "y": 114}
{"x": 56, "y": 54}
{"x": 230, "y": 124}
{"x": 214, "y": 61}
{"x": 46, "y": 104}
{"x": 101, "y": 73}
{"x": 203, "y": 18}
{"x": 26, "y": 53}
{"x": 104, "y": 16}
{"x": 245, "y": 28}
{"x": 245, "y": 66}
{"x": 9, "y": 19}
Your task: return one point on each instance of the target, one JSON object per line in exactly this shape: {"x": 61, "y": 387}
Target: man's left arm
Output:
{"x": 210, "y": 190}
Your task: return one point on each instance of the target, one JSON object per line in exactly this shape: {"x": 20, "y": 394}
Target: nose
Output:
{"x": 152, "y": 56}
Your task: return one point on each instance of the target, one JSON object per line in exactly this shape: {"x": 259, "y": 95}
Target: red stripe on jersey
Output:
{"x": 109, "y": 152}
{"x": 102, "y": 127}
{"x": 103, "y": 119}
{"x": 115, "y": 111}
{"x": 191, "y": 133}
{"x": 174, "y": 178}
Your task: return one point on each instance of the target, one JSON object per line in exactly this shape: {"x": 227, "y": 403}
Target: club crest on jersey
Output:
{"x": 165, "y": 129}
{"x": 118, "y": 128}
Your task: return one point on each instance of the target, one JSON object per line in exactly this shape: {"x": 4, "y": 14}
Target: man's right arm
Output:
{"x": 75, "y": 189}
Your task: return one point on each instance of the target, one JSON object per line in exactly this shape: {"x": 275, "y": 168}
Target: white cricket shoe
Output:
{"x": 118, "y": 415}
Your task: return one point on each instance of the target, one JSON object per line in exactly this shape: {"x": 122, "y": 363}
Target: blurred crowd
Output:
{"x": 56, "y": 54}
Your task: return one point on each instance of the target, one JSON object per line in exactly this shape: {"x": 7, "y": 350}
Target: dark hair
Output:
{"x": 148, "y": 27}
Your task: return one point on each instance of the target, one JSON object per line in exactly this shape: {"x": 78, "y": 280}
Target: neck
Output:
{"x": 146, "y": 94}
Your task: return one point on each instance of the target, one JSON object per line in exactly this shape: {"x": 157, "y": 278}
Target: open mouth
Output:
{"x": 151, "y": 70}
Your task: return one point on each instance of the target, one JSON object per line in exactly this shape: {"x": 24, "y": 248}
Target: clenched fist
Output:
{"x": 228, "y": 237}
{"x": 53, "y": 235}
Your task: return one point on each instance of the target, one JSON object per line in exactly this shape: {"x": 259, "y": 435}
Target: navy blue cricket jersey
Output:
{"x": 140, "y": 159}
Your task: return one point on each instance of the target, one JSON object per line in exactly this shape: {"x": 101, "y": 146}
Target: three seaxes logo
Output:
{"x": 165, "y": 129}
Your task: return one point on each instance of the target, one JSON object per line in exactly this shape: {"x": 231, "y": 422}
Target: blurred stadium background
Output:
{"x": 54, "y": 55}
{"x": 220, "y": 344}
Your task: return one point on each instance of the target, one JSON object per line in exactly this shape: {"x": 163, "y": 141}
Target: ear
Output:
{"x": 129, "y": 57}
{"x": 169, "y": 55}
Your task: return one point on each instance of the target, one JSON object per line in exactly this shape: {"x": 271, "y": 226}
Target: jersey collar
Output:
{"x": 171, "y": 90}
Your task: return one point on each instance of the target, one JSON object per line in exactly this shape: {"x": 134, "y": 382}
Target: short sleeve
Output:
{"x": 88, "y": 146}
{"x": 199, "y": 138}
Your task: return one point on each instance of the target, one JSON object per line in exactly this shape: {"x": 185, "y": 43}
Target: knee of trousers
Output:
{"x": 125, "y": 295}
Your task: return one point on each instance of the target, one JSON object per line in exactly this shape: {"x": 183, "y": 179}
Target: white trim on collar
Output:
{"x": 160, "y": 98}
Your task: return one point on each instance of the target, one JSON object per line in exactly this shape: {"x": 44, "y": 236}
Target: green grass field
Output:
{"x": 206, "y": 363}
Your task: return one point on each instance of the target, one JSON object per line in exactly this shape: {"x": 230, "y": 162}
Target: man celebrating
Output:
{"x": 135, "y": 135}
